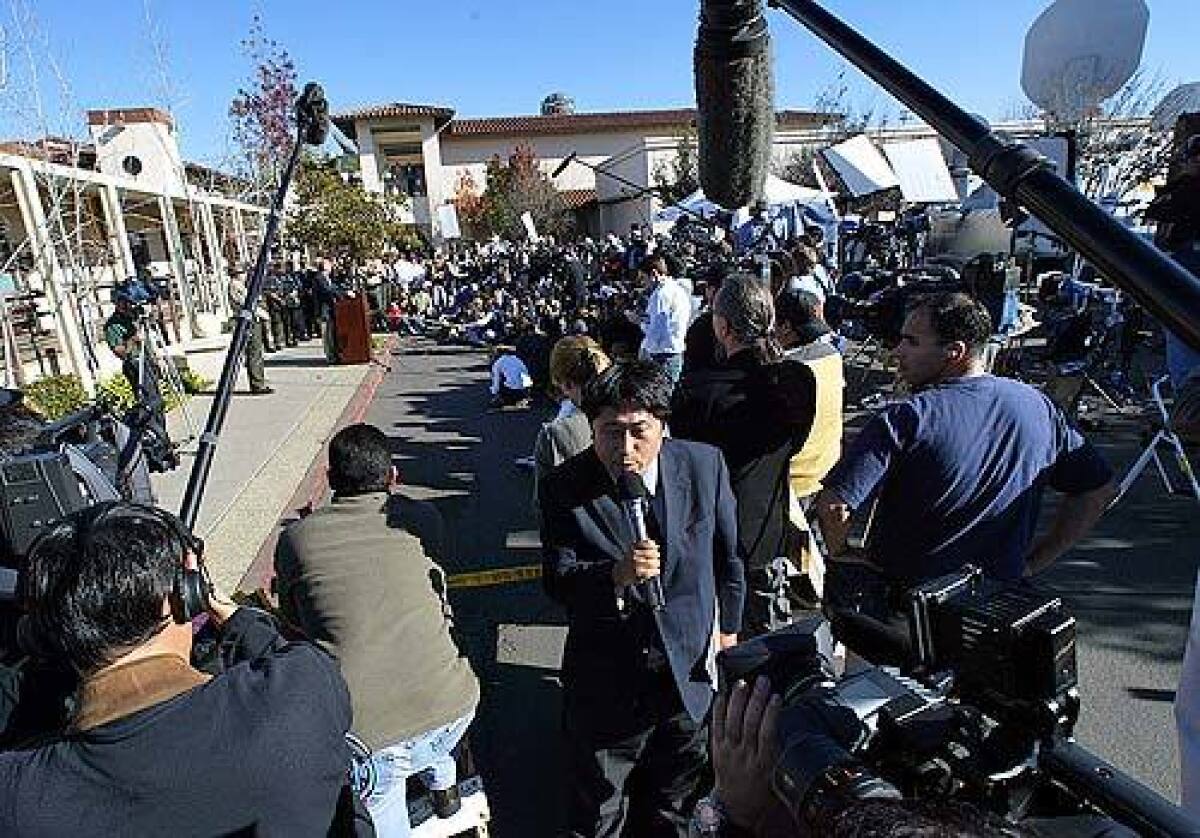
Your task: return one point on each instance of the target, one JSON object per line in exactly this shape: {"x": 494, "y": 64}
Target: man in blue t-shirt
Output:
{"x": 957, "y": 469}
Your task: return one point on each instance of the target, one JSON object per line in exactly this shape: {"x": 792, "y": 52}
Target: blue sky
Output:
{"x": 485, "y": 57}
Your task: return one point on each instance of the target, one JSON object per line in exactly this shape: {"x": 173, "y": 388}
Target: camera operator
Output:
{"x": 355, "y": 576}
{"x": 155, "y": 746}
{"x": 1177, "y": 212}
{"x": 954, "y": 473}
{"x": 123, "y": 337}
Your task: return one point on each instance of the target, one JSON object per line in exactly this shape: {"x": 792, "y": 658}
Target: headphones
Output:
{"x": 189, "y": 596}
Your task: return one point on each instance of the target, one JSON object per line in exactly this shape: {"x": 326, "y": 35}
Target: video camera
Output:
{"x": 142, "y": 289}
{"x": 873, "y": 303}
{"x": 48, "y": 470}
{"x": 974, "y": 703}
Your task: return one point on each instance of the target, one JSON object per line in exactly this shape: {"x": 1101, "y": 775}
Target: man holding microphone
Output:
{"x": 646, "y": 616}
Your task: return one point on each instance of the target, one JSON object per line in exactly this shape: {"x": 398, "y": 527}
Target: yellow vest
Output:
{"x": 824, "y": 444}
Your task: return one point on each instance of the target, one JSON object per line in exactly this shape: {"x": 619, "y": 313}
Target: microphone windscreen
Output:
{"x": 735, "y": 96}
{"x": 312, "y": 112}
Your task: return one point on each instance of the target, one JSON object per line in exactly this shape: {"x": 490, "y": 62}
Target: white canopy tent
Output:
{"x": 778, "y": 192}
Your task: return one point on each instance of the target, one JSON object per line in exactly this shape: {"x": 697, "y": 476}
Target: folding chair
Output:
{"x": 1165, "y": 436}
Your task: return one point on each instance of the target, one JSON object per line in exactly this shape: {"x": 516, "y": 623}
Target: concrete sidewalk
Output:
{"x": 267, "y": 446}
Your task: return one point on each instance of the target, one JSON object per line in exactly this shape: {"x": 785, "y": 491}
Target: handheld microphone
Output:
{"x": 312, "y": 112}
{"x": 735, "y": 111}
{"x": 631, "y": 492}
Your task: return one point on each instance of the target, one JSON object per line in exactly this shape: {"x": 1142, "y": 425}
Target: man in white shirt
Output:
{"x": 511, "y": 380}
{"x": 668, "y": 315}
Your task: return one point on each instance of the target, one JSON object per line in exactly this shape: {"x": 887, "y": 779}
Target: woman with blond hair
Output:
{"x": 574, "y": 361}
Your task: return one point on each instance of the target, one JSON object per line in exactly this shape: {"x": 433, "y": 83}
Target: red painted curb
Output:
{"x": 313, "y": 486}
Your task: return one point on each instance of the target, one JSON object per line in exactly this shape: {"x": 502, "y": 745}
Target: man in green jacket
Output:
{"x": 361, "y": 586}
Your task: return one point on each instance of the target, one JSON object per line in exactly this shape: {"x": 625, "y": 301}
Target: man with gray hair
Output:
{"x": 759, "y": 413}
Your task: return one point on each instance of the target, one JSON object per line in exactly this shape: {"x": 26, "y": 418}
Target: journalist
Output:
{"x": 155, "y": 746}
{"x": 638, "y": 682}
{"x": 574, "y": 361}
{"x": 668, "y": 315}
{"x": 954, "y": 474}
{"x": 356, "y": 577}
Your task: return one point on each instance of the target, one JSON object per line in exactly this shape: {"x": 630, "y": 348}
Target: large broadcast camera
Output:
{"x": 975, "y": 703}
{"x": 48, "y": 470}
{"x": 873, "y": 303}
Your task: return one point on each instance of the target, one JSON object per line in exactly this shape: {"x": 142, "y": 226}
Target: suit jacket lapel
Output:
{"x": 672, "y": 482}
{"x": 611, "y": 518}
{"x": 606, "y": 512}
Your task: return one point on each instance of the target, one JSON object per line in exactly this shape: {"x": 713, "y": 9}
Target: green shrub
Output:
{"x": 55, "y": 396}
{"x": 114, "y": 393}
{"x": 194, "y": 382}
{"x": 116, "y": 396}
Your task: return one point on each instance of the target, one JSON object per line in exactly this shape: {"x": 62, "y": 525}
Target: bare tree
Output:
{"x": 38, "y": 101}
{"x": 1119, "y": 149}
{"x": 846, "y": 116}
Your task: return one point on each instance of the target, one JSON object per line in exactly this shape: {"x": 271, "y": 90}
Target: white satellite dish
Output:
{"x": 1181, "y": 100}
{"x": 1080, "y": 52}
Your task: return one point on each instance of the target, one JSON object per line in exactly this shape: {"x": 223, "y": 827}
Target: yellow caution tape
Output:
{"x": 487, "y": 578}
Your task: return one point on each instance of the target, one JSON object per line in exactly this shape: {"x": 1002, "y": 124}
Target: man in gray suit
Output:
{"x": 638, "y": 682}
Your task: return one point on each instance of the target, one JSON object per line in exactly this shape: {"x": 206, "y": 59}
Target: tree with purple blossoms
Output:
{"x": 264, "y": 122}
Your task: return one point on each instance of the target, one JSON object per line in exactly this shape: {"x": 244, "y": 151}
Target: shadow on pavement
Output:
{"x": 453, "y": 452}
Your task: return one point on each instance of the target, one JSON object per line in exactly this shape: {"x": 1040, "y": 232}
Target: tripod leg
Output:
{"x": 1162, "y": 469}
{"x": 1185, "y": 465}
{"x": 173, "y": 381}
{"x": 1135, "y": 471}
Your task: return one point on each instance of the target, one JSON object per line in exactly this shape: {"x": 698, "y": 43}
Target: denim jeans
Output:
{"x": 428, "y": 754}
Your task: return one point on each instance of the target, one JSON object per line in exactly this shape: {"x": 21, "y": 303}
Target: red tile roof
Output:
{"x": 124, "y": 116}
{"x": 577, "y": 198}
{"x": 615, "y": 120}
{"x": 557, "y": 123}
{"x": 347, "y": 118}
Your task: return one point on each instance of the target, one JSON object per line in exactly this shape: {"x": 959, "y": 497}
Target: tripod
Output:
{"x": 1165, "y": 436}
{"x": 155, "y": 365}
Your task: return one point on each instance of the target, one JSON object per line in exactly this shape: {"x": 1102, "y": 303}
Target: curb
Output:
{"x": 314, "y": 484}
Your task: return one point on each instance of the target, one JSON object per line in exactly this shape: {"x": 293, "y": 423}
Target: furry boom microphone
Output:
{"x": 734, "y": 100}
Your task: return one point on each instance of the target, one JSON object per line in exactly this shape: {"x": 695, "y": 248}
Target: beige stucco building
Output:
{"x": 424, "y": 151}
{"x": 77, "y": 218}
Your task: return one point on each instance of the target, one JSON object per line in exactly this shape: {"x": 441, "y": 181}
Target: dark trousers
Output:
{"x": 145, "y": 389}
{"x": 641, "y": 780}
{"x": 286, "y": 334}
{"x": 254, "y": 356}
{"x": 299, "y": 323}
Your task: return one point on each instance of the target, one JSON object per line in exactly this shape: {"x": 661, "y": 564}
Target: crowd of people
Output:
{"x": 691, "y": 492}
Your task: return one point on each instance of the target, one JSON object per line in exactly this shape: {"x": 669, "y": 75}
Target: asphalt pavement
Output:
{"x": 1129, "y": 584}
